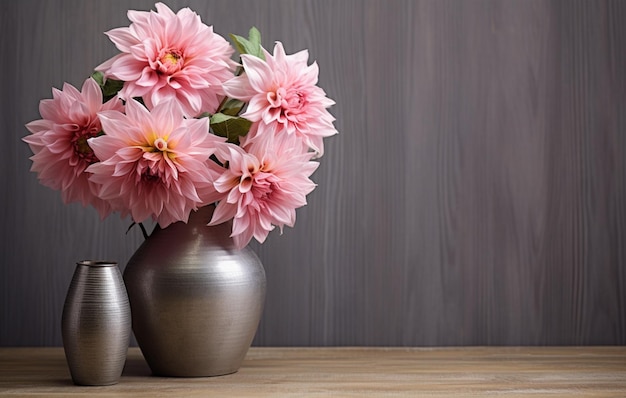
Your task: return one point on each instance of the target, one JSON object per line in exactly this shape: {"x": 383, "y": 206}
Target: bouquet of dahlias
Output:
{"x": 173, "y": 123}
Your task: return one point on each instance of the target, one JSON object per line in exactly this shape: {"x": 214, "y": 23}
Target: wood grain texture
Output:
{"x": 346, "y": 372}
{"x": 476, "y": 193}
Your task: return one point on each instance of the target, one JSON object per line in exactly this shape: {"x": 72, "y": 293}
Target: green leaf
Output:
{"x": 251, "y": 45}
{"x": 99, "y": 78}
{"x": 238, "y": 40}
{"x": 254, "y": 36}
{"x": 232, "y": 107}
{"x": 231, "y": 127}
{"x": 109, "y": 87}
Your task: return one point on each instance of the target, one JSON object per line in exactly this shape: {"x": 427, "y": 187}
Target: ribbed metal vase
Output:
{"x": 96, "y": 324}
{"x": 196, "y": 299}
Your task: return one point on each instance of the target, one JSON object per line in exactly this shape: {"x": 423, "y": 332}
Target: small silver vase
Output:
{"x": 196, "y": 299}
{"x": 96, "y": 324}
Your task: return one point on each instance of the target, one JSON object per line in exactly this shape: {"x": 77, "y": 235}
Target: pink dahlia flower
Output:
{"x": 284, "y": 98}
{"x": 155, "y": 164}
{"x": 59, "y": 142}
{"x": 262, "y": 189}
{"x": 166, "y": 55}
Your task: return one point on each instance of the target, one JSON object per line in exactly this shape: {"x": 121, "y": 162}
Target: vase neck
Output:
{"x": 197, "y": 225}
{"x": 202, "y": 215}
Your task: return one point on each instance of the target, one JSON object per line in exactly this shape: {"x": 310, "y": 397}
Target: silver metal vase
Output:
{"x": 196, "y": 299}
{"x": 96, "y": 324}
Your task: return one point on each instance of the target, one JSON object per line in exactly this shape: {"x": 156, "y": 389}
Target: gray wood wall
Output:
{"x": 476, "y": 193}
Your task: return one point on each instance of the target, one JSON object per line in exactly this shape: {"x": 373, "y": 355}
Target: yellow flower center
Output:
{"x": 82, "y": 147}
{"x": 170, "y": 61}
{"x": 171, "y": 58}
{"x": 160, "y": 144}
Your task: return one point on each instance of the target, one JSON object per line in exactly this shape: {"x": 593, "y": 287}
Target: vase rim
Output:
{"x": 97, "y": 263}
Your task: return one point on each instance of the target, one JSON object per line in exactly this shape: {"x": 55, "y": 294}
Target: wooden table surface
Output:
{"x": 347, "y": 372}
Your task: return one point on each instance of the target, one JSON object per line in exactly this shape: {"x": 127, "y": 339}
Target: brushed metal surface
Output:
{"x": 96, "y": 324}
{"x": 196, "y": 300}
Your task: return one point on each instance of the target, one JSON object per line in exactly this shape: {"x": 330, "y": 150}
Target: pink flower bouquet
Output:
{"x": 173, "y": 123}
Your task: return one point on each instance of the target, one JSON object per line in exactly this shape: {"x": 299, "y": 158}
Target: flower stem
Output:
{"x": 143, "y": 229}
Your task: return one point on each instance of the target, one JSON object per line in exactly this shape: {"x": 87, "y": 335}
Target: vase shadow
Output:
{"x": 136, "y": 366}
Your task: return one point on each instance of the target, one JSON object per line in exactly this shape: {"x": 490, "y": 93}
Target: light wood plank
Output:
{"x": 347, "y": 372}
